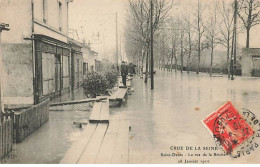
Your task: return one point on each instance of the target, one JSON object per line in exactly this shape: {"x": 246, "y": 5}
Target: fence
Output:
{"x": 6, "y": 137}
{"x": 29, "y": 120}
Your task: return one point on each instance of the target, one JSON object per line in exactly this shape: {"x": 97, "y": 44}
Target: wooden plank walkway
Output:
{"x": 101, "y": 143}
{"x": 100, "y": 112}
{"x": 119, "y": 95}
{"x": 90, "y": 153}
{"x": 78, "y": 101}
{"x": 74, "y": 153}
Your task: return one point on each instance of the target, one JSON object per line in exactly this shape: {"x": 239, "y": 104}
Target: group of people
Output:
{"x": 125, "y": 69}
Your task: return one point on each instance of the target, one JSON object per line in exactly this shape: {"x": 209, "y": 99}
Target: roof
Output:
{"x": 74, "y": 42}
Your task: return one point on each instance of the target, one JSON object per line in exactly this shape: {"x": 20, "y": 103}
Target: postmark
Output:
{"x": 252, "y": 143}
{"x": 228, "y": 127}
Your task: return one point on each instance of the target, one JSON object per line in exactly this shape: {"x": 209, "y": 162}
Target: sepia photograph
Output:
{"x": 130, "y": 82}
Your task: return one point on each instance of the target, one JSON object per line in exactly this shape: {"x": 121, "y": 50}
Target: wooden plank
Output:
{"x": 75, "y": 151}
{"x": 120, "y": 155}
{"x": 95, "y": 113}
{"x": 122, "y": 93}
{"x": 114, "y": 96}
{"x": 108, "y": 145}
{"x": 104, "y": 114}
{"x": 91, "y": 151}
{"x": 77, "y": 101}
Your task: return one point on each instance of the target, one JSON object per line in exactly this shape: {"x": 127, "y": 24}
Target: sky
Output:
{"x": 93, "y": 17}
{"x": 95, "y": 20}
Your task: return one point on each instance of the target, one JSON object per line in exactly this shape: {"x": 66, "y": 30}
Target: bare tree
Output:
{"x": 211, "y": 35}
{"x": 249, "y": 13}
{"x": 161, "y": 43}
{"x": 174, "y": 54}
{"x": 174, "y": 41}
{"x": 225, "y": 30}
{"x": 140, "y": 14}
{"x": 180, "y": 31}
{"x": 187, "y": 27}
{"x": 201, "y": 29}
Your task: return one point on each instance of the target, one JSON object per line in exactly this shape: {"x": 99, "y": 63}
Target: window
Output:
{"x": 60, "y": 16}
{"x": 44, "y": 10}
{"x": 48, "y": 71}
{"x": 84, "y": 68}
{"x": 65, "y": 71}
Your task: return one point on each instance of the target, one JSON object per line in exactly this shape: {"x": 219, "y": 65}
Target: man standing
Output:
{"x": 124, "y": 72}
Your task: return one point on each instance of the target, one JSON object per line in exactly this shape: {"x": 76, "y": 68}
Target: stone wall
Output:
{"x": 18, "y": 73}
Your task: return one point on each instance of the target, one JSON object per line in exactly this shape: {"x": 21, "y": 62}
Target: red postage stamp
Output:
{"x": 228, "y": 127}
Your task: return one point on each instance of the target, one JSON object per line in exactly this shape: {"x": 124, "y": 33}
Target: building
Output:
{"x": 250, "y": 62}
{"x": 36, "y": 52}
{"x": 76, "y": 64}
{"x": 89, "y": 59}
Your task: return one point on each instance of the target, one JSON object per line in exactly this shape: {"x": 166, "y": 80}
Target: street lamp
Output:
{"x": 3, "y": 27}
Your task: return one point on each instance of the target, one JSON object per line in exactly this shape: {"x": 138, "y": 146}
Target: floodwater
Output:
{"x": 171, "y": 115}
{"x": 167, "y": 117}
{"x": 50, "y": 143}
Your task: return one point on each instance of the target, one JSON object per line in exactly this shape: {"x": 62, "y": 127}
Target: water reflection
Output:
{"x": 172, "y": 113}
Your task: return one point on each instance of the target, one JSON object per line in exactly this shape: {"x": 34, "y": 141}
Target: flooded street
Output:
{"x": 50, "y": 143}
{"x": 168, "y": 117}
{"x": 171, "y": 115}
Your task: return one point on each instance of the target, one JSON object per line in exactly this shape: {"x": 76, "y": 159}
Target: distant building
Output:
{"x": 89, "y": 58}
{"x": 250, "y": 62}
{"x": 98, "y": 66}
{"x": 36, "y": 53}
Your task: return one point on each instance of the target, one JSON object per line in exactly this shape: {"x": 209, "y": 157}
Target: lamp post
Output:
{"x": 3, "y": 27}
{"x": 234, "y": 43}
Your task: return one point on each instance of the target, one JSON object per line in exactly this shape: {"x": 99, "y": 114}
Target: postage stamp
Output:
{"x": 228, "y": 127}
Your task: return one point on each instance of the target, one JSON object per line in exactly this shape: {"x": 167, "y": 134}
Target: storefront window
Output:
{"x": 48, "y": 73}
{"x": 65, "y": 71}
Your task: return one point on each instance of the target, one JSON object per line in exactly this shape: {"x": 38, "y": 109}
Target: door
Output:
{"x": 57, "y": 73}
{"x": 256, "y": 67}
{"x": 78, "y": 74}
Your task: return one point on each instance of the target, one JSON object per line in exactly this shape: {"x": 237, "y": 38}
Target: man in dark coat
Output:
{"x": 124, "y": 72}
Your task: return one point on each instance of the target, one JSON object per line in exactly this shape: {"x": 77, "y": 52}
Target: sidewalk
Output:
{"x": 50, "y": 143}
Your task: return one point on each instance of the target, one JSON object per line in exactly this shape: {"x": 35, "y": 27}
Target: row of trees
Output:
{"x": 187, "y": 28}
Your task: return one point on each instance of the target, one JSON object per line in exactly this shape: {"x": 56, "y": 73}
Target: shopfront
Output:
{"x": 52, "y": 75}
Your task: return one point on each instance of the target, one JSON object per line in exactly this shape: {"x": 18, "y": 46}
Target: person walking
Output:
{"x": 124, "y": 72}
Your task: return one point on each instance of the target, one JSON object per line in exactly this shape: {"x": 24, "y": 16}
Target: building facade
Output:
{"x": 36, "y": 52}
{"x": 250, "y": 62}
{"x": 89, "y": 59}
{"x": 76, "y": 64}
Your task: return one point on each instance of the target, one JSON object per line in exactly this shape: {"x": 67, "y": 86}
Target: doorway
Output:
{"x": 57, "y": 73}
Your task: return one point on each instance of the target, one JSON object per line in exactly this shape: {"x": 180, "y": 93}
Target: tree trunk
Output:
{"x": 247, "y": 37}
{"x": 176, "y": 63}
{"x": 171, "y": 64}
{"x": 142, "y": 67}
{"x": 211, "y": 58}
{"x": 188, "y": 61}
{"x": 199, "y": 52}
{"x": 182, "y": 51}
{"x": 146, "y": 69}
{"x": 198, "y": 66}
{"x": 228, "y": 52}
